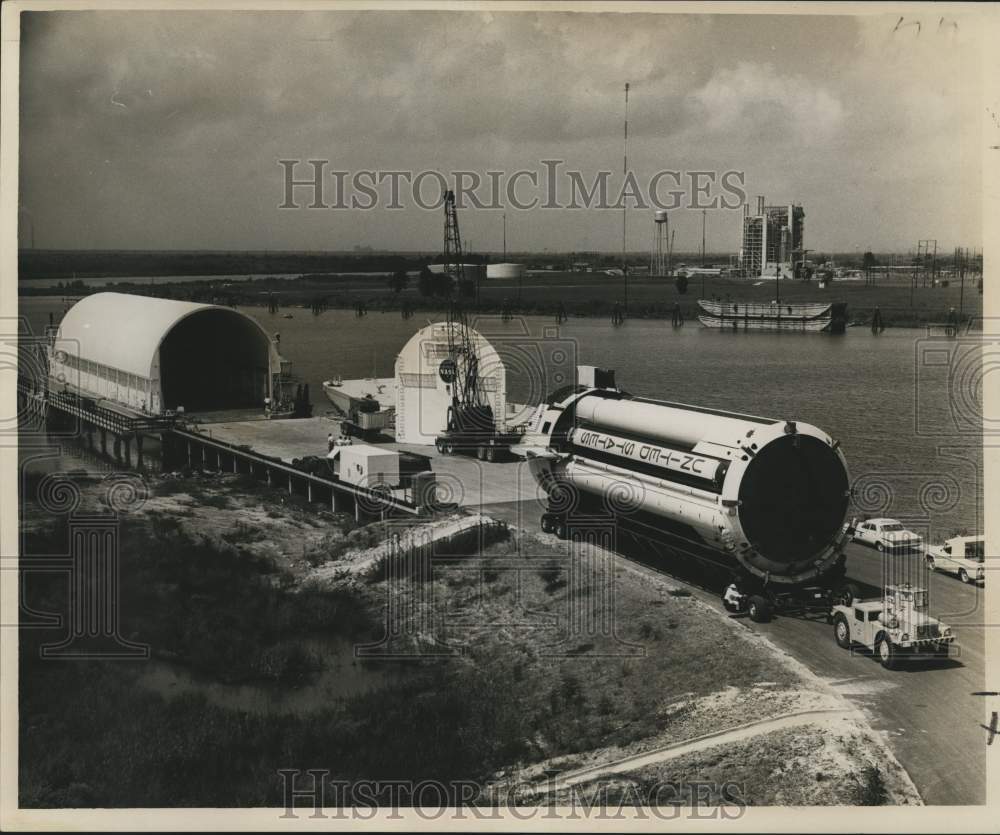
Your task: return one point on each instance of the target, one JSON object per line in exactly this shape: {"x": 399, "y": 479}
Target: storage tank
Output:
{"x": 509, "y": 271}
{"x": 759, "y": 495}
{"x": 472, "y": 271}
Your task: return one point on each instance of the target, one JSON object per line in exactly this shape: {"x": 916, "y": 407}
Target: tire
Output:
{"x": 847, "y": 594}
{"x": 760, "y": 609}
{"x": 449, "y": 448}
{"x": 879, "y": 547}
{"x": 561, "y": 530}
{"x": 842, "y": 632}
{"x": 481, "y": 453}
{"x": 930, "y": 564}
{"x": 963, "y": 575}
{"x": 886, "y": 653}
{"x": 546, "y": 523}
{"x": 491, "y": 453}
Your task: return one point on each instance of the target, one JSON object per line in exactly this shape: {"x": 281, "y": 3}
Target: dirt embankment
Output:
{"x": 527, "y": 657}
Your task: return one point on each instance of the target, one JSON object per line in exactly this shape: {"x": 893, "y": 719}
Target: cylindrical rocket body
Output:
{"x": 768, "y": 496}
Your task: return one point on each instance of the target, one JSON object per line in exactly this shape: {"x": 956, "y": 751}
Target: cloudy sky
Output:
{"x": 164, "y": 130}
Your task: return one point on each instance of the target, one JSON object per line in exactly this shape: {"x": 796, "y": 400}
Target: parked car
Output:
{"x": 961, "y": 555}
{"x": 886, "y": 533}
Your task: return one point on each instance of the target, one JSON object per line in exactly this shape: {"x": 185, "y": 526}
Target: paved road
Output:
{"x": 928, "y": 710}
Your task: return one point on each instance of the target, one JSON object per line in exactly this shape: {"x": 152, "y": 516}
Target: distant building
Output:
{"x": 772, "y": 240}
{"x": 508, "y": 271}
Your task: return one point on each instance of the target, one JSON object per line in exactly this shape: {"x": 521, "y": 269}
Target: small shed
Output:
{"x": 366, "y": 465}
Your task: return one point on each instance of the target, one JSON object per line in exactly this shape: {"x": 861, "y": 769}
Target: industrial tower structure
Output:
{"x": 772, "y": 240}
{"x": 658, "y": 257}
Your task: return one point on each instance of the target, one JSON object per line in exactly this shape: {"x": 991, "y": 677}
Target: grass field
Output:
{"x": 225, "y": 601}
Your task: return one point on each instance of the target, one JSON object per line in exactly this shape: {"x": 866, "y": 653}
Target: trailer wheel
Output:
{"x": 491, "y": 453}
{"x": 449, "y": 448}
{"x": 847, "y": 594}
{"x": 887, "y": 654}
{"x": 842, "y": 631}
{"x": 760, "y": 609}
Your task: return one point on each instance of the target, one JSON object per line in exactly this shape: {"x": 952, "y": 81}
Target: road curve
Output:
{"x": 927, "y": 711}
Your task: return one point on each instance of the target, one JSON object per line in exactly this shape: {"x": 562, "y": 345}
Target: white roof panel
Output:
{"x": 124, "y": 331}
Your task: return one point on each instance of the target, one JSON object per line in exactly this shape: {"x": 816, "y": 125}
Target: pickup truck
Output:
{"x": 961, "y": 555}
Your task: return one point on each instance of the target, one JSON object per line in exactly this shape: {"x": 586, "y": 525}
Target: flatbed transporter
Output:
{"x": 762, "y": 500}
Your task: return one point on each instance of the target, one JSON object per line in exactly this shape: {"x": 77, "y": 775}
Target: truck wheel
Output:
{"x": 847, "y": 594}
{"x": 760, "y": 609}
{"x": 561, "y": 529}
{"x": 963, "y": 575}
{"x": 449, "y": 448}
{"x": 842, "y": 632}
{"x": 481, "y": 453}
{"x": 886, "y": 652}
{"x": 491, "y": 453}
{"x": 546, "y": 523}
{"x": 930, "y": 563}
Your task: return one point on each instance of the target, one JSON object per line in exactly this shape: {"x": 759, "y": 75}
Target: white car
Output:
{"x": 884, "y": 534}
{"x": 961, "y": 555}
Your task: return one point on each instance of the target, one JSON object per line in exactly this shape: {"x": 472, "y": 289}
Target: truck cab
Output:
{"x": 893, "y": 628}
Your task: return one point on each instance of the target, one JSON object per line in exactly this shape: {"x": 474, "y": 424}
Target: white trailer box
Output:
{"x": 366, "y": 465}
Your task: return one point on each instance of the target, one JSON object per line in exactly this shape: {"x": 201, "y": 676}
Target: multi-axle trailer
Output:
{"x": 764, "y": 500}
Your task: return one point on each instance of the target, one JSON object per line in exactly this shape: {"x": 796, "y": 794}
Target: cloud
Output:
{"x": 191, "y": 111}
{"x": 751, "y": 96}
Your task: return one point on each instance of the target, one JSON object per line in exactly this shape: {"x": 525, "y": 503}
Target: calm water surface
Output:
{"x": 910, "y": 436}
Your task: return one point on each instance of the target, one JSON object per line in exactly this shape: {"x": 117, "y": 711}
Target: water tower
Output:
{"x": 658, "y": 257}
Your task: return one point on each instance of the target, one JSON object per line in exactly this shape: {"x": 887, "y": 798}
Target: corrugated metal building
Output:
{"x": 153, "y": 355}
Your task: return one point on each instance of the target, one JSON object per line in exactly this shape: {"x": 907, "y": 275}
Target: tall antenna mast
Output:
{"x": 624, "y": 201}
{"x": 703, "y": 237}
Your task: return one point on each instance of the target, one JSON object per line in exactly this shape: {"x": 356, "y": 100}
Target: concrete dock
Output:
{"x": 461, "y": 479}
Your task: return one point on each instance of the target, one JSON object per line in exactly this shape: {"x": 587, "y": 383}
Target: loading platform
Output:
{"x": 202, "y": 450}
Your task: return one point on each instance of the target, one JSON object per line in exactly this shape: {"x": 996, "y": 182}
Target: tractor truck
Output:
{"x": 895, "y": 628}
{"x": 761, "y": 499}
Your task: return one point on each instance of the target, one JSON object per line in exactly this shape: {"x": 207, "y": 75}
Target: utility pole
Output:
{"x": 960, "y": 263}
{"x": 505, "y": 237}
{"x": 703, "y": 211}
{"x": 625, "y": 201}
